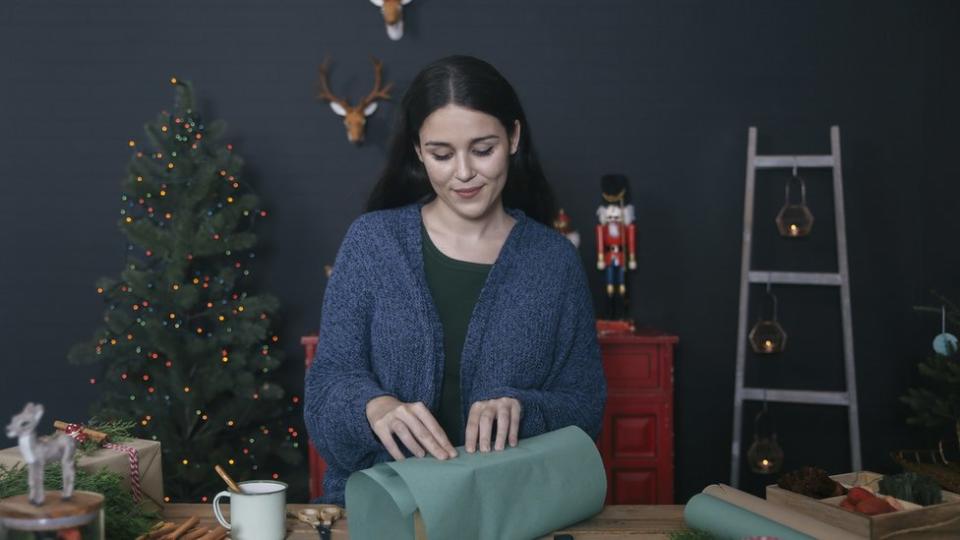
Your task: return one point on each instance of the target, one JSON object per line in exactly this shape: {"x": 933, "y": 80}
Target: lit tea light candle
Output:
{"x": 768, "y": 346}
{"x": 794, "y": 230}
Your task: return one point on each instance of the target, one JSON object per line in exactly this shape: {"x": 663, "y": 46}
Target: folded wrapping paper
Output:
{"x": 148, "y": 456}
{"x": 543, "y": 484}
{"x": 733, "y": 514}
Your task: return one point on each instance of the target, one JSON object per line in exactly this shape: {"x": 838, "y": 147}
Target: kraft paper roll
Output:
{"x": 779, "y": 514}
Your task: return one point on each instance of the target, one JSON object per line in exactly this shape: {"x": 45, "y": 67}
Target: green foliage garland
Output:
{"x": 117, "y": 431}
{"x": 125, "y": 519}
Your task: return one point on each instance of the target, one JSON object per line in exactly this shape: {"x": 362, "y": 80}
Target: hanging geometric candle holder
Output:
{"x": 767, "y": 336}
{"x": 795, "y": 220}
{"x": 765, "y": 454}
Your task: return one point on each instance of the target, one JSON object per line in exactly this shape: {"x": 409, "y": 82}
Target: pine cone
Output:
{"x": 812, "y": 482}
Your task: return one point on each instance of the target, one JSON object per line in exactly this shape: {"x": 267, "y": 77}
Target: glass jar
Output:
{"x": 78, "y": 518}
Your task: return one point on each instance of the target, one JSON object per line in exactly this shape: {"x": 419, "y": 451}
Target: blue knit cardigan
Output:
{"x": 532, "y": 337}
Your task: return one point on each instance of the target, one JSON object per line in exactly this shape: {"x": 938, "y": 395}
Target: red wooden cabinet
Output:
{"x": 636, "y": 440}
{"x": 317, "y": 465}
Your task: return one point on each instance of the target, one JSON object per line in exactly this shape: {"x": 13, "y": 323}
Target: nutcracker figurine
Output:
{"x": 561, "y": 224}
{"x": 616, "y": 241}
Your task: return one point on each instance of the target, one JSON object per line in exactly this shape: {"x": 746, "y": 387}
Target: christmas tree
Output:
{"x": 937, "y": 405}
{"x": 185, "y": 349}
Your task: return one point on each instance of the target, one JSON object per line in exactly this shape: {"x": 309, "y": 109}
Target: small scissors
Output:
{"x": 322, "y": 520}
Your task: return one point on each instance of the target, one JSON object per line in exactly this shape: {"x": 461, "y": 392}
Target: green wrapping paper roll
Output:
{"x": 730, "y": 522}
{"x": 543, "y": 484}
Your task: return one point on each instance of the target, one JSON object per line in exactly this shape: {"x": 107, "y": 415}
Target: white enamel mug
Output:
{"x": 259, "y": 513}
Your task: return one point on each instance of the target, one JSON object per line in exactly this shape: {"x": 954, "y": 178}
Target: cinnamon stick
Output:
{"x": 195, "y": 534}
{"x": 164, "y": 530}
{"x": 184, "y": 527}
{"x": 156, "y": 526}
{"x": 97, "y": 436}
{"x": 216, "y": 534}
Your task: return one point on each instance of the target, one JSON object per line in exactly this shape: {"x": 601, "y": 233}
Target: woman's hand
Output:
{"x": 506, "y": 411}
{"x": 412, "y": 423}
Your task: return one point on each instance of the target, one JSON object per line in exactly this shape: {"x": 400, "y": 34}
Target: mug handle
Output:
{"x": 216, "y": 508}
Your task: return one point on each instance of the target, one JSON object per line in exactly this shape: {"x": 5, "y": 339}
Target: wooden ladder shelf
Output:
{"x": 840, "y": 279}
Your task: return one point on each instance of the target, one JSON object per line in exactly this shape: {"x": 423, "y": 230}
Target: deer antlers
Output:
{"x": 355, "y": 116}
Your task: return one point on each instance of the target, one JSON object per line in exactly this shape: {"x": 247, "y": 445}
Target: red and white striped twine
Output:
{"x": 134, "y": 459}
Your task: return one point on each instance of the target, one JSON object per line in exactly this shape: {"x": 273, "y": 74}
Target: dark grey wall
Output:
{"x": 661, "y": 91}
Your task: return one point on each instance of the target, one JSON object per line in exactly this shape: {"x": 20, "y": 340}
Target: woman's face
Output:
{"x": 466, "y": 155}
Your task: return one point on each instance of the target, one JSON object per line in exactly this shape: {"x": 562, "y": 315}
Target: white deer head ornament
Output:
{"x": 392, "y": 16}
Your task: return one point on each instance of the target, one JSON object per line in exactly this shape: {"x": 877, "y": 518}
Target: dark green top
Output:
{"x": 455, "y": 286}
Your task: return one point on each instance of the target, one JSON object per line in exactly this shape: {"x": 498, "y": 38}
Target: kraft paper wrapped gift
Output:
{"x": 148, "y": 454}
{"x": 543, "y": 484}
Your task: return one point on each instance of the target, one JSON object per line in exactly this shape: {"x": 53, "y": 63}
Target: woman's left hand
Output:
{"x": 505, "y": 411}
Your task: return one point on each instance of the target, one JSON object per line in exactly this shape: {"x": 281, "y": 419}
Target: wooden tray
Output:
{"x": 929, "y": 522}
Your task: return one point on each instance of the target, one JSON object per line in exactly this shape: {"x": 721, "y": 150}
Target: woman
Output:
{"x": 454, "y": 315}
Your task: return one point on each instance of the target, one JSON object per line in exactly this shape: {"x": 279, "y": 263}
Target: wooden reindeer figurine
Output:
{"x": 355, "y": 117}
{"x": 392, "y": 16}
{"x": 38, "y": 452}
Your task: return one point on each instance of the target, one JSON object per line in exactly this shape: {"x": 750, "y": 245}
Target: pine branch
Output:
{"x": 125, "y": 519}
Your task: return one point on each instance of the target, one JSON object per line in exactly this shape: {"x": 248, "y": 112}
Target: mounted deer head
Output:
{"x": 392, "y": 16}
{"x": 355, "y": 116}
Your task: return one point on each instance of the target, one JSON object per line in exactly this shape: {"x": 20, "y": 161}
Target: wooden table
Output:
{"x": 618, "y": 522}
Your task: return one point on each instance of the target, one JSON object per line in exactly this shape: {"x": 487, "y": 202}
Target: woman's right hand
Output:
{"x": 412, "y": 423}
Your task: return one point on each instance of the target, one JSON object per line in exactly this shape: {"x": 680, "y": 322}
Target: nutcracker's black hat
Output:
{"x": 615, "y": 188}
